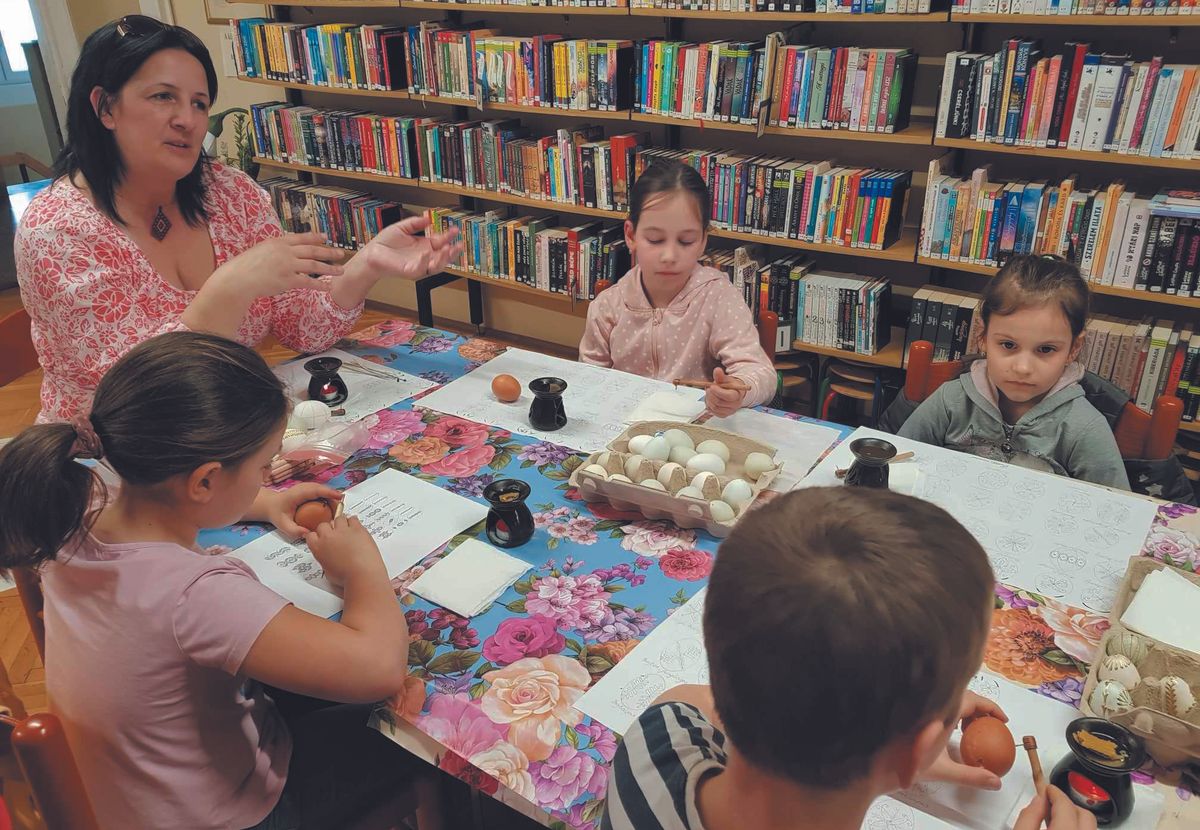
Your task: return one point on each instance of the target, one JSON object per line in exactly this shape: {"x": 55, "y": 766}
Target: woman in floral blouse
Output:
{"x": 142, "y": 233}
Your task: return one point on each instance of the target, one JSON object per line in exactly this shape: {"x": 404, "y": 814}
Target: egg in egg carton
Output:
{"x": 661, "y": 486}
{"x": 1145, "y": 685}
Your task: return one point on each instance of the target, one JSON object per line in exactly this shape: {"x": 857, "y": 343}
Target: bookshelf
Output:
{"x": 1081, "y": 20}
{"x": 1192, "y": 165}
{"x": 891, "y": 355}
{"x": 513, "y": 285}
{"x": 509, "y": 8}
{"x": 1190, "y": 426}
{"x": 787, "y": 17}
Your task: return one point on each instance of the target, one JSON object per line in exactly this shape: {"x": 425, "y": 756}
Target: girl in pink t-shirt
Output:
{"x": 153, "y": 647}
{"x": 670, "y": 317}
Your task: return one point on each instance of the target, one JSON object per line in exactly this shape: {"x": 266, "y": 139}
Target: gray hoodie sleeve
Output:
{"x": 1090, "y": 453}
{"x": 930, "y": 423}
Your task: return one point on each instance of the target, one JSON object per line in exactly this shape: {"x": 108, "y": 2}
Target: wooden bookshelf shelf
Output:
{"x": 1190, "y": 426}
{"x": 508, "y": 8}
{"x": 1072, "y": 155}
{"x": 513, "y": 285}
{"x": 902, "y": 250}
{"x": 395, "y": 94}
{"x": 1107, "y": 290}
{"x": 891, "y": 355}
{"x": 331, "y": 4}
{"x": 491, "y": 106}
{"x": 341, "y": 174}
{"x": 698, "y": 123}
{"x": 523, "y": 201}
{"x": 1083, "y": 20}
{"x": 918, "y": 133}
{"x": 791, "y": 17}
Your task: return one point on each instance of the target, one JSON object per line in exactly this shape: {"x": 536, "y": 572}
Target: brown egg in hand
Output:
{"x": 506, "y": 388}
{"x": 986, "y": 742}
{"x": 311, "y": 514}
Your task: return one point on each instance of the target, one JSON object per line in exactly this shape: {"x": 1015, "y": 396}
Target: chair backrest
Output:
{"x": 29, "y": 588}
{"x": 40, "y": 744}
{"x": 16, "y": 344}
{"x": 1139, "y": 434}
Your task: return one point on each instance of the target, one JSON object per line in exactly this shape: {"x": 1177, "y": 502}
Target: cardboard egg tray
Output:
{"x": 1169, "y": 739}
{"x": 657, "y": 504}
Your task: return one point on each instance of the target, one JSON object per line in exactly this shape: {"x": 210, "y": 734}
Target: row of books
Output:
{"x": 1078, "y": 100}
{"x": 1147, "y": 359}
{"x": 481, "y": 65}
{"x": 339, "y": 55}
{"x": 534, "y": 251}
{"x": 348, "y": 218}
{"x": 811, "y": 201}
{"x": 835, "y": 7}
{"x": 547, "y": 4}
{"x": 848, "y": 87}
{"x": 844, "y": 311}
{"x": 1115, "y": 237}
{"x": 766, "y": 284}
{"x": 1074, "y": 7}
{"x": 946, "y": 317}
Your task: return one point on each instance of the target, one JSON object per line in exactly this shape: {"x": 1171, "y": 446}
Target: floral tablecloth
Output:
{"x": 490, "y": 699}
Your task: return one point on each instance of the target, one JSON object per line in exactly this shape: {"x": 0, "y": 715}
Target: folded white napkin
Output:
{"x": 681, "y": 405}
{"x": 1164, "y": 608}
{"x": 469, "y": 578}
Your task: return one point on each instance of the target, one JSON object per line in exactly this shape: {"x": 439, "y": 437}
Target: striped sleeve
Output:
{"x": 663, "y": 758}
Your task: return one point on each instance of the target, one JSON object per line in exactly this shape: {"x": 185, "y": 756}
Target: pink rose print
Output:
{"x": 535, "y": 696}
{"x": 572, "y": 601}
{"x": 566, "y": 775}
{"x": 391, "y": 426}
{"x": 519, "y": 637}
{"x": 462, "y": 463}
{"x": 1175, "y": 547}
{"x": 656, "y": 538}
{"x": 508, "y": 764}
{"x": 1077, "y": 632}
{"x": 386, "y": 335}
{"x": 687, "y": 565}
{"x": 459, "y": 724}
{"x": 458, "y": 432}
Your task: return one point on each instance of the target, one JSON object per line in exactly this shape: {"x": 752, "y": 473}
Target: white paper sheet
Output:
{"x": 368, "y": 394}
{"x": 1164, "y": 608}
{"x": 679, "y": 405}
{"x": 469, "y": 578}
{"x": 1065, "y": 539}
{"x": 673, "y": 653}
{"x": 386, "y": 504}
{"x": 886, "y": 813}
{"x": 798, "y": 444}
{"x": 596, "y": 401}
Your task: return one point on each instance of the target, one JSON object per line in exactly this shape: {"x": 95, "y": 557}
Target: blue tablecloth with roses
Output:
{"x": 493, "y": 695}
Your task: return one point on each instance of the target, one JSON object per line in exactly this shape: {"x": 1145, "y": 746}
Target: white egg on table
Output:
{"x": 706, "y": 462}
{"x": 682, "y": 455}
{"x": 1110, "y": 698}
{"x": 309, "y": 415}
{"x": 1177, "y": 697}
{"x": 737, "y": 493}
{"x": 666, "y": 471}
{"x": 717, "y": 448}
{"x": 596, "y": 470}
{"x": 679, "y": 438}
{"x": 690, "y": 492}
{"x": 1120, "y": 668}
{"x": 757, "y": 463}
{"x": 653, "y": 484}
{"x": 657, "y": 449}
{"x": 721, "y": 511}
{"x": 638, "y": 443}
{"x": 619, "y": 477}
{"x": 632, "y": 463}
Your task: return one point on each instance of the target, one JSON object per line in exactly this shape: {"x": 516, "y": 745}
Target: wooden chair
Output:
{"x": 16, "y": 344}
{"x": 25, "y": 163}
{"x": 29, "y": 588}
{"x": 1139, "y": 434}
{"x": 40, "y": 747}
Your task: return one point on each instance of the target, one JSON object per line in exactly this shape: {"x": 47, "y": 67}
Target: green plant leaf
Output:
{"x": 523, "y": 586}
{"x": 597, "y": 664}
{"x": 420, "y": 652}
{"x": 517, "y": 606}
{"x": 501, "y": 460}
{"x": 1058, "y": 657}
{"x": 485, "y": 668}
{"x": 452, "y": 662}
{"x": 553, "y": 543}
{"x": 680, "y": 598}
{"x": 366, "y": 462}
{"x": 614, "y": 588}
{"x": 608, "y": 524}
{"x": 573, "y": 737}
{"x": 476, "y": 691}
{"x": 528, "y": 462}
{"x": 594, "y": 810}
{"x": 557, "y": 475}
{"x": 575, "y": 645}
{"x": 572, "y": 463}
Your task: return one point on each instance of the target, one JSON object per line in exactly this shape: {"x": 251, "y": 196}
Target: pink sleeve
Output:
{"x": 221, "y": 613}
{"x": 595, "y": 347}
{"x": 734, "y": 344}
{"x": 304, "y": 320}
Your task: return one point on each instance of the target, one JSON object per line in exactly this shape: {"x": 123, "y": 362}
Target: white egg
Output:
{"x": 706, "y": 462}
{"x": 715, "y": 447}
{"x": 631, "y": 465}
{"x": 596, "y": 470}
{"x": 292, "y": 439}
{"x": 619, "y": 477}
{"x": 737, "y": 492}
{"x": 757, "y": 463}
{"x": 682, "y": 455}
{"x": 1110, "y": 698}
{"x": 666, "y": 471}
{"x": 1177, "y": 697}
{"x": 309, "y": 415}
{"x": 657, "y": 449}
{"x": 653, "y": 484}
{"x": 690, "y": 492}
{"x": 1128, "y": 644}
{"x": 638, "y": 443}
{"x": 720, "y": 511}
{"x": 1120, "y": 668}
{"x": 679, "y": 438}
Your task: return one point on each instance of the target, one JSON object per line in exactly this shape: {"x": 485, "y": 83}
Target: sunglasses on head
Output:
{"x": 139, "y": 25}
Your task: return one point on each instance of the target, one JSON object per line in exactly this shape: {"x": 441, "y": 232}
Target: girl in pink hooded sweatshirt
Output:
{"x": 671, "y": 317}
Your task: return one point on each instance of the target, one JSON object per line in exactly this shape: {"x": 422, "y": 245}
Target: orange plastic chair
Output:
{"x": 40, "y": 746}
{"x": 16, "y": 344}
{"x": 1139, "y": 434}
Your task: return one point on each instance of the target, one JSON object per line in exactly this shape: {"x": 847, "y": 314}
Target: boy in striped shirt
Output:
{"x": 842, "y": 626}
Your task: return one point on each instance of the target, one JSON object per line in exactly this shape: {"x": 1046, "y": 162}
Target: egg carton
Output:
{"x": 1171, "y": 734}
{"x": 684, "y": 511}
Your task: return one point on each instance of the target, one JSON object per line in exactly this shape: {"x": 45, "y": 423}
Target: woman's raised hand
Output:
{"x": 397, "y": 251}
{"x": 281, "y": 264}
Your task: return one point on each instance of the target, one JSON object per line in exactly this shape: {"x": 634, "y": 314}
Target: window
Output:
{"x": 16, "y": 27}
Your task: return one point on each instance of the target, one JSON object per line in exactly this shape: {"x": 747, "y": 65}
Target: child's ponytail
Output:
{"x": 45, "y": 497}
{"x": 170, "y": 405}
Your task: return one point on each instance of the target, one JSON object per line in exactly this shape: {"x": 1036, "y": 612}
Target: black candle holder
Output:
{"x": 546, "y": 412}
{"x": 326, "y": 385}
{"x": 870, "y": 467}
{"x": 1097, "y": 773}
{"x": 509, "y": 522}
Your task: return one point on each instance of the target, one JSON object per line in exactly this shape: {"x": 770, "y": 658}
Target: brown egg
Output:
{"x": 311, "y": 514}
{"x": 986, "y": 742}
{"x": 506, "y": 388}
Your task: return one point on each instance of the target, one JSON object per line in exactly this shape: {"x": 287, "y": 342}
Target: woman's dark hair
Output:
{"x": 665, "y": 177}
{"x": 1029, "y": 280}
{"x": 171, "y": 404}
{"x": 111, "y": 55}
